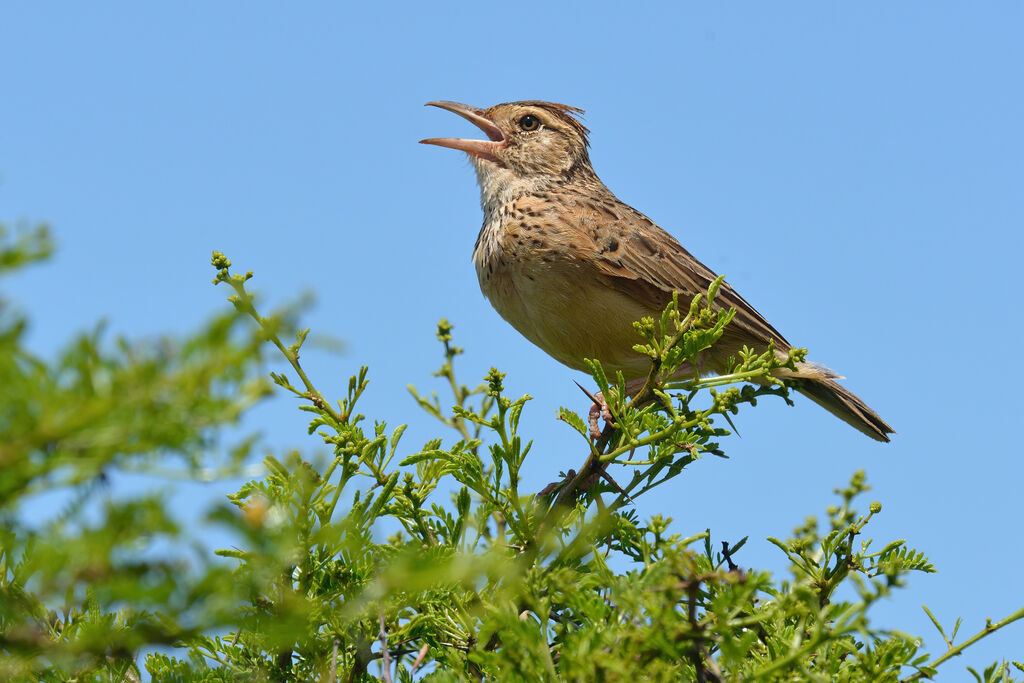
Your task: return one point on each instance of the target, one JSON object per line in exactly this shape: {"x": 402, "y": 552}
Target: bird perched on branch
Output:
{"x": 571, "y": 267}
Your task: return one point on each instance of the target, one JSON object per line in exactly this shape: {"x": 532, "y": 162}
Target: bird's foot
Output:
{"x": 598, "y": 411}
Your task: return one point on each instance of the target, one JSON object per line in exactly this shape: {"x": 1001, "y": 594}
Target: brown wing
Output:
{"x": 649, "y": 264}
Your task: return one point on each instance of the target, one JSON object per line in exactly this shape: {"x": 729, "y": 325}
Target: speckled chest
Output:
{"x": 521, "y": 239}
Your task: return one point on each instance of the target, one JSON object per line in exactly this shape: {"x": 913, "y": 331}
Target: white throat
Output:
{"x": 500, "y": 185}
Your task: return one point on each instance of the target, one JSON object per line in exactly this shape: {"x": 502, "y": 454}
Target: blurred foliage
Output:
{"x": 395, "y": 563}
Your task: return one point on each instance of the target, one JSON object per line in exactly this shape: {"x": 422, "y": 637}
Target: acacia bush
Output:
{"x": 391, "y": 562}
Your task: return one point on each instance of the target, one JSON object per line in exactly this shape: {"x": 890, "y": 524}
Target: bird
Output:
{"x": 571, "y": 267}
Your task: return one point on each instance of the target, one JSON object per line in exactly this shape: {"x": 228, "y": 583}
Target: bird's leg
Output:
{"x": 599, "y": 407}
{"x": 598, "y": 411}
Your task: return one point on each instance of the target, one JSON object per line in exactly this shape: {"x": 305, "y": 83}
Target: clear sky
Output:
{"x": 857, "y": 173}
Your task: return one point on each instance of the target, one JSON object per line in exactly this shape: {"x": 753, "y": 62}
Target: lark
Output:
{"x": 571, "y": 267}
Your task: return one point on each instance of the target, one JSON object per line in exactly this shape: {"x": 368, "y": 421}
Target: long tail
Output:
{"x": 845, "y": 405}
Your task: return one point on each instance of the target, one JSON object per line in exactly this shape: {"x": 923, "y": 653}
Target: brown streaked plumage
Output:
{"x": 571, "y": 267}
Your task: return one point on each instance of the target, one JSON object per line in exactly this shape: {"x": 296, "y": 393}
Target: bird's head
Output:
{"x": 531, "y": 145}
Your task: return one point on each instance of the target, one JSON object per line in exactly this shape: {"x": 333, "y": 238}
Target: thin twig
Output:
{"x": 385, "y": 665}
{"x": 589, "y": 395}
{"x": 604, "y": 473}
{"x": 989, "y": 629}
{"x": 420, "y": 657}
{"x": 590, "y": 467}
{"x": 728, "y": 557}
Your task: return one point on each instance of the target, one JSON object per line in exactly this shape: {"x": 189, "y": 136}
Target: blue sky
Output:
{"x": 856, "y": 173}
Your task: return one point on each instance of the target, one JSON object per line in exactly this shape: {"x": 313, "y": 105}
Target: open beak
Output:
{"x": 483, "y": 149}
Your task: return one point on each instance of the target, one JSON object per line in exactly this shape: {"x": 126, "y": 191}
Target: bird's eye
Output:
{"x": 529, "y": 122}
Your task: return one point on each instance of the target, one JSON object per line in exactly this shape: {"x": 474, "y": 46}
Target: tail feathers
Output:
{"x": 845, "y": 405}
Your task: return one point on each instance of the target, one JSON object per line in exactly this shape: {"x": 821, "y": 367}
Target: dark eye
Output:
{"x": 529, "y": 122}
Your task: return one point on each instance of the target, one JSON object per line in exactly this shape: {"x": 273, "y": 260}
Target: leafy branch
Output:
{"x": 374, "y": 560}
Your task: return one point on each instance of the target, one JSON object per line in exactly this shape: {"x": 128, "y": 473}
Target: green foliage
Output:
{"x": 423, "y": 563}
{"x": 83, "y": 588}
